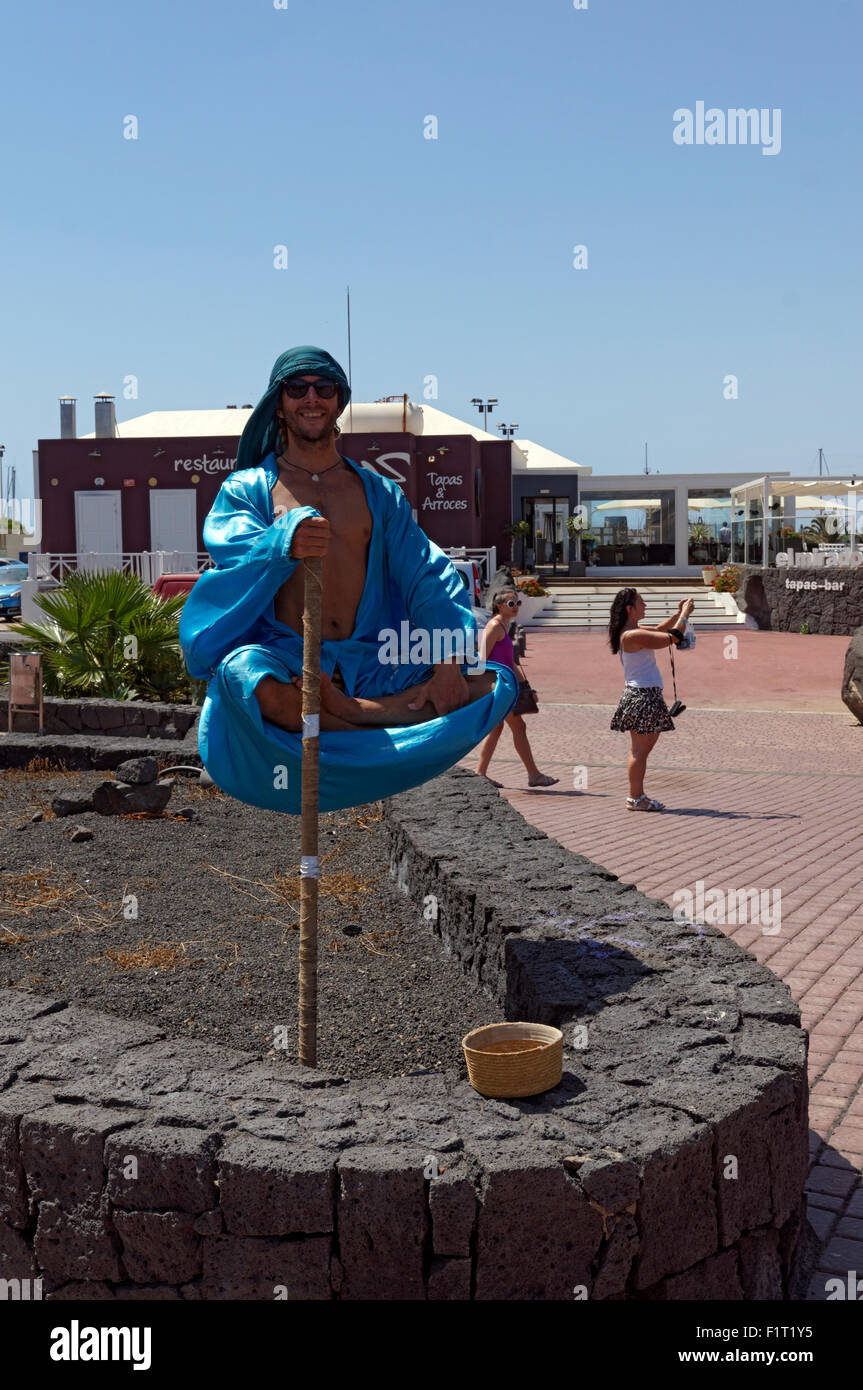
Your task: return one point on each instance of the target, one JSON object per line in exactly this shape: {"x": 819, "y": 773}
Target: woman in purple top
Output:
{"x": 496, "y": 645}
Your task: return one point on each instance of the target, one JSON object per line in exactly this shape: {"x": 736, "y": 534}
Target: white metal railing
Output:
{"x": 486, "y": 557}
{"x": 147, "y": 564}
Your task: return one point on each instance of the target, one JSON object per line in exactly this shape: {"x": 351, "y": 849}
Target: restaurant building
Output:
{"x": 142, "y": 487}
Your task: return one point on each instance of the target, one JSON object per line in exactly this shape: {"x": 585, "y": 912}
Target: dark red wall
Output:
{"x": 433, "y": 482}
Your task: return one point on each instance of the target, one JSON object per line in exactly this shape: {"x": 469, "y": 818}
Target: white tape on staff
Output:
{"x": 311, "y": 725}
{"x": 308, "y": 866}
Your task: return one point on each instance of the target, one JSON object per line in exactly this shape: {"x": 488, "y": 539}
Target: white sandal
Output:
{"x": 635, "y": 803}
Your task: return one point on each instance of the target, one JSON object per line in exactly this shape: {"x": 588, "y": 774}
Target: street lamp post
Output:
{"x": 508, "y": 431}
{"x": 485, "y": 408}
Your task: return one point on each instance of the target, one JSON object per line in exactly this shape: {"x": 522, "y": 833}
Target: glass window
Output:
{"x": 630, "y": 527}
{"x": 709, "y": 532}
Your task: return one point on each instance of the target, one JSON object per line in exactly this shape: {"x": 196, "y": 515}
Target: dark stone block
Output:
{"x": 241, "y": 1268}
{"x": 210, "y": 1223}
{"x": 852, "y": 676}
{"x": 13, "y": 1187}
{"x": 68, "y": 802}
{"x": 677, "y": 1233}
{"x": 120, "y": 798}
{"x": 789, "y": 1163}
{"x": 85, "y": 1290}
{"x": 147, "y": 1293}
{"x": 768, "y": 596}
{"x": 549, "y": 1249}
{"x": 714, "y": 1279}
{"x": 761, "y": 1265}
{"x": 112, "y": 716}
{"x": 383, "y": 1220}
{"x": 173, "y": 1168}
{"x": 267, "y": 1189}
{"x": 610, "y": 1184}
{"x": 616, "y": 1256}
{"x": 159, "y": 1246}
{"x": 449, "y": 1279}
{"x": 138, "y": 770}
{"x": 16, "y": 1256}
{"x": 62, "y": 1150}
{"x": 453, "y": 1207}
{"x": 743, "y": 1175}
{"x": 77, "y": 1241}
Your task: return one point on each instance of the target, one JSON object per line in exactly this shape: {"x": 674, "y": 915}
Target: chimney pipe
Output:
{"x": 106, "y": 422}
{"x": 68, "y": 429}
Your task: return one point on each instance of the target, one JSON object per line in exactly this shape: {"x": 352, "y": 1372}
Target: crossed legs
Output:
{"x": 281, "y": 704}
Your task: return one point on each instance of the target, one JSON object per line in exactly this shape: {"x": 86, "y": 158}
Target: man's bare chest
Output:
{"x": 342, "y": 501}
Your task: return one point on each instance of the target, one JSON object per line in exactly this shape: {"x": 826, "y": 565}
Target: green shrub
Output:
{"x": 106, "y": 635}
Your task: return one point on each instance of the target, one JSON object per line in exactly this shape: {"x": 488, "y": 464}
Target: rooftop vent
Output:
{"x": 106, "y": 420}
{"x": 68, "y": 428}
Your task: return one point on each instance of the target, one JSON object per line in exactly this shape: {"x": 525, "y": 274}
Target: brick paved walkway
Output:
{"x": 770, "y": 800}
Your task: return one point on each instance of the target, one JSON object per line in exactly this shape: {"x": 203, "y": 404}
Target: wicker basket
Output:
{"x": 508, "y": 1060}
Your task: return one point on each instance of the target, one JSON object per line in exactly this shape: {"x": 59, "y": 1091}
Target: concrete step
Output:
{"x": 721, "y": 620}
{"x": 587, "y": 606}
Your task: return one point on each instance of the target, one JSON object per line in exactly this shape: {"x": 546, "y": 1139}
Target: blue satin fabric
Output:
{"x": 230, "y": 637}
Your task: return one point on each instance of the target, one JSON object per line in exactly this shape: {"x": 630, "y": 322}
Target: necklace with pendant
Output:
{"x": 315, "y": 477}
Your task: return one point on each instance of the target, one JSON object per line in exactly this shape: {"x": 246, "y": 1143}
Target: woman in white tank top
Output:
{"x": 642, "y": 711}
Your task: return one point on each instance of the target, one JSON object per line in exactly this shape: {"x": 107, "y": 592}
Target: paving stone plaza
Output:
{"x": 763, "y": 784}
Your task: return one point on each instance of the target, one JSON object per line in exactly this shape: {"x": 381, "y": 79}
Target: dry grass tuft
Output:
{"x": 35, "y": 772}
{"x": 164, "y": 955}
{"x": 37, "y": 766}
{"x": 345, "y": 887}
{"x": 27, "y": 890}
{"x": 370, "y": 819}
{"x": 284, "y": 890}
{"x": 49, "y": 890}
{"x": 376, "y": 942}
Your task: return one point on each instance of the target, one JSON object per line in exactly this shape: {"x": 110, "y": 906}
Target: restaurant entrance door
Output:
{"x": 547, "y": 539}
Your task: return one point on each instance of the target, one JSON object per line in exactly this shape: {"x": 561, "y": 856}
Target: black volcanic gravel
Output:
{"x": 389, "y": 1001}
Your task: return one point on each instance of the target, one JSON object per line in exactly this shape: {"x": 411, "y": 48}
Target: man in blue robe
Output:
{"x": 385, "y": 726}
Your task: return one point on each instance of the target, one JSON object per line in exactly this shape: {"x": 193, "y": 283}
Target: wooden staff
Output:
{"x": 312, "y": 589}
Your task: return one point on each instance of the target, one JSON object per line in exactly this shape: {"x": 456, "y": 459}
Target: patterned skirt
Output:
{"x": 642, "y": 711}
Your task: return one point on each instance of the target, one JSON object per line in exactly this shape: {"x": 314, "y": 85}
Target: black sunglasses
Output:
{"x": 511, "y": 603}
{"x": 296, "y": 388}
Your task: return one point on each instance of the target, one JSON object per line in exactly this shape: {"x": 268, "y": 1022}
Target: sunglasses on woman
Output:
{"x": 511, "y": 603}
{"x": 296, "y": 389}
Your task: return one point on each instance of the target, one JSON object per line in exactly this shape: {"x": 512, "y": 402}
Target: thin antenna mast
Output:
{"x": 350, "y": 378}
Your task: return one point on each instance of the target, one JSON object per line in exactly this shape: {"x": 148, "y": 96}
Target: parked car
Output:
{"x": 468, "y": 572}
{"x": 167, "y": 585}
{"x": 12, "y": 574}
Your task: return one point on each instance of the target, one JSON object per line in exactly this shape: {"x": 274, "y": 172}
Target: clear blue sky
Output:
{"x": 304, "y": 127}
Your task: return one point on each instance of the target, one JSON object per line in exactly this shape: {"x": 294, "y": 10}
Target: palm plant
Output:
{"x": 823, "y": 530}
{"x": 515, "y": 530}
{"x": 107, "y": 635}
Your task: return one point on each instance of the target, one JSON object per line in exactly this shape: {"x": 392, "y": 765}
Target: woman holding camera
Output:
{"x": 642, "y": 711}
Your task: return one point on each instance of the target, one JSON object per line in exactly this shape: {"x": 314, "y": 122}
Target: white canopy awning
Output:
{"x": 626, "y": 504}
{"x": 796, "y": 487}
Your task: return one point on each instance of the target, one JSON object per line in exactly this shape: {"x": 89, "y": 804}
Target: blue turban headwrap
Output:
{"x": 261, "y": 435}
